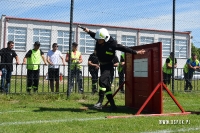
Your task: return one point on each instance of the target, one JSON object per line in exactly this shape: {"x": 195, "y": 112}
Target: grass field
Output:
{"x": 54, "y": 113}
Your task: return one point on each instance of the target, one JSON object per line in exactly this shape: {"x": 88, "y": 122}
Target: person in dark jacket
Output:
{"x": 121, "y": 72}
{"x": 105, "y": 50}
{"x": 93, "y": 64}
{"x": 6, "y": 66}
{"x": 115, "y": 62}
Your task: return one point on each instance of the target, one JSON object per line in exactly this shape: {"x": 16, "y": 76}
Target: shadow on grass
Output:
{"x": 88, "y": 108}
{"x": 46, "y": 109}
{"x": 194, "y": 112}
{"x": 120, "y": 109}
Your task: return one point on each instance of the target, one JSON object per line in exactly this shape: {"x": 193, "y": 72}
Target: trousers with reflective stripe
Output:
{"x": 105, "y": 78}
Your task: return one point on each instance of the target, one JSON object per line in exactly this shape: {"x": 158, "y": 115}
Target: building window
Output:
{"x": 166, "y": 46}
{"x": 87, "y": 43}
{"x": 63, "y": 40}
{"x": 18, "y": 36}
{"x": 114, "y": 36}
{"x": 146, "y": 40}
{"x": 44, "y": 37}
{"x": 128, "y": 41}
{"x": 180, "y": 48}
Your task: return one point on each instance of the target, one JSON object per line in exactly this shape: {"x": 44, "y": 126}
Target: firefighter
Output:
{"x": 121, "y": 71}
{"x": 93, "y": 64}
{"x": 115, "y": 62}
{"x": 105, "y": 50}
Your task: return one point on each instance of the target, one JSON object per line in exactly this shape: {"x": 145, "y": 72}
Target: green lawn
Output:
{"x": 54, "y": 113}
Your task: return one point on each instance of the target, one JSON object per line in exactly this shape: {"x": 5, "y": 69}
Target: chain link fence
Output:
{"x": 19, "y": 79}
{"x": 130, "y": 22}
{"x": 18, "y": 82}
{"x": 156, "y": 15}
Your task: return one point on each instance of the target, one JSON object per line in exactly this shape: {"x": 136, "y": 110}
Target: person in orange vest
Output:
{"x": 167, "y": 68}
{"x": 76, "y": 69}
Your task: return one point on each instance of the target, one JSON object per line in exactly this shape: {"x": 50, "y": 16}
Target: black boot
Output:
{"x": 28, "y": 90}
{"x": 113, "y": 107}
{"x": 98, "y": 105}
{"x": 94, "y": 89}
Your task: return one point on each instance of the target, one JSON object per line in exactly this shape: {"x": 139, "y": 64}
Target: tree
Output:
{"x": 196, "y": 51}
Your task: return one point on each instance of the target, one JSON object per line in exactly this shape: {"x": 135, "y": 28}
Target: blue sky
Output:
{"x": 152, "y": 14}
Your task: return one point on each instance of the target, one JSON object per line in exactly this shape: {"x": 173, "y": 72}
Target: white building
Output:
{"x": 24, "y": 32}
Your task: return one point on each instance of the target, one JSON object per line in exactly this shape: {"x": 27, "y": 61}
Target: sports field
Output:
{"x": 54, "y": 113}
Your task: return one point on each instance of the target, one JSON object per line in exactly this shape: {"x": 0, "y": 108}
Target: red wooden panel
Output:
{"x": 139, "y": 88}
{"x": 129, "y": 81}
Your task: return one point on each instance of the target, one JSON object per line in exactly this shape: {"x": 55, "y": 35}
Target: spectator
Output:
{"x": 167, "y": 68}
{"x": 121, "y": 72}
{"x": 115, "y": 64}
{"x": 6, "y": 66}
{"x": 53, "y": 57}
{"x": 93, "y": 64}
{"x": 75, "y": 67}
{"x": 33, "y": 60}
{"x": 191, "y": 65}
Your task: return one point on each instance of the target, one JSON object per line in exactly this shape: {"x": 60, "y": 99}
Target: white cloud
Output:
{"x": 17, "y": 7}
{"x": 184, "y": 20}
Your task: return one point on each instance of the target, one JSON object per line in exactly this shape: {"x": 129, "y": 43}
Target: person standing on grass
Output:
{"x": 121, "y": 71}
{"x": 33, "y": 60}
{"x": 115, "y": 62}
{"x": 53, "y": 57}
{"x": 76, "y": 58}
{"x": 93, "y": 64}
{"x": 191, "y": 65}
{"x": 167, "y": 68}
{"x": 6, "y": 66}
{"x": 105, "y": 48}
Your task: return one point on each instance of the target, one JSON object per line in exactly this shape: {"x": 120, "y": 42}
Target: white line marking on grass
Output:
{"x": 49, "y": 121}
{"x": 178, "y": 130}
{"x": 16, "y": 111}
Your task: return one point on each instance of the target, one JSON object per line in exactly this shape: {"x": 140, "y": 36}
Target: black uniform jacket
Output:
{"x": 7, "y": 56}
{"x": 93, "y": 58}
{"x": 106, "y": 52}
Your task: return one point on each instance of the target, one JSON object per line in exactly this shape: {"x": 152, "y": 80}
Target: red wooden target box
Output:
{"x": 143, "y": 73}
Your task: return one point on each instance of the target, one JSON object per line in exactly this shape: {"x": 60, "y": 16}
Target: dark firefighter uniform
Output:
{"x": 115, "y": 61}
{"x": 121, "y": 72}
{"x": 94, "y": 71}
{"x": 106, "y": 54}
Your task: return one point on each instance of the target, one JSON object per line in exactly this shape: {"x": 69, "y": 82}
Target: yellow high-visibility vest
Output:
{"x": 75, "y": 62}
{"x": 34, "y": 61}
{"x": 168, "y": 70}
{"x": 119, "y": 67}
{"x": 186, "y": 69}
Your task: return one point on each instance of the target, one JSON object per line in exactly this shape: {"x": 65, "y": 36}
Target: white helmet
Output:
{"x": 102, "y": 34}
